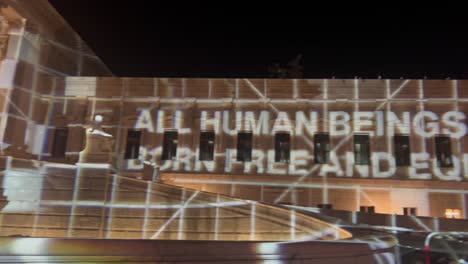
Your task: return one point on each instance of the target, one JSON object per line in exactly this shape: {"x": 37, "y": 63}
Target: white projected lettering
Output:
{"x": 419, "y": 161}
{"x": 334, "y": 166}
{"x": 309, "y": 125}
{"x": 377, "y": 159}
{"x": 452, "y": 120}
{"x": 210, "y": 121}
{"x": 272, "y": 167}
{"x": 424, "y": 123}
{"x": 363, "y": 121}
{"x": 451, "y": 175}
{"x": 304, "y": 125}
{"x": 339, "y": 126}
{"x": 145, "y": 121}
{"x": 299, "y": 161}
{"x": 465, "y": 162}
{"x": 382, "y": 165}
{"x": 259, "y": 124}
{"x": 282, "y": 123}
{"x": 393, "y": 121}
{"x": 226, "y": 121}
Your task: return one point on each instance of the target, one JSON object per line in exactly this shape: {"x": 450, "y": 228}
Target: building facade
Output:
{"x": 238, "y": 164}
{"x": 36, "y": 44}
{"x": 384, "y": 146}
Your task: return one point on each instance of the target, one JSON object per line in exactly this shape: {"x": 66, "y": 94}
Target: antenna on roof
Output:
{"x": 295, "y": 68}
{"x": 275, "y": 71}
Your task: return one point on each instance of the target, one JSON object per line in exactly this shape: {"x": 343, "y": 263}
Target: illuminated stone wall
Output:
{"x": 36, "y": 45}
{"x": 431, "y": 198}
{"x": 421, "y": 109}
{"x": 42, "y": 199}
{"x": 302, "y": 108}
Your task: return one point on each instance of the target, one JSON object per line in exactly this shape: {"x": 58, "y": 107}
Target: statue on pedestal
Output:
{"x": 99, "y": 144}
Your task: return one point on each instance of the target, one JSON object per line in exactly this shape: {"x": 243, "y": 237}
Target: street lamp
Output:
{"x": 427, "y": 241}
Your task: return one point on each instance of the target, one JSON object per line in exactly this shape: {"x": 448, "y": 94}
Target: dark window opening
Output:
{"x": 321, "y": 148}
{"x": 207, "y": 141}
{"x": 402, "y": 150}
{"x": 282, "y": 147}
{"x": 325, "y": 206}
{"x": 132, "y": 149}
{"x": 169, "y": 145}
{"x": 367, "y": 209}
{"x": 244, "y": 146}
{"x": 409, "y": 210}
{"x": 59, "y": 147}
{"x": 361, "y": 150}
{"x": 443, "y": 151}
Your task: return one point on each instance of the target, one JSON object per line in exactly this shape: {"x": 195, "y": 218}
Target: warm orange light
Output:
{"x": 452, "y": 213}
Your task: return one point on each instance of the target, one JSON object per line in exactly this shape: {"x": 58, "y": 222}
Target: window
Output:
{"x": 325, "y": 206}
{"x": 452, "y": 213}
{"x": 321, "y": 148}
{"x": 282, "y": 147}
{"x": 443, "y": 151}
{"x": 244, "y": 146}
{"x": 60, "y": 142}
{"x": 409, "y": 210}
{"x": 367, "y": 209}
{"x": 169, "y": 145}
{"x": 207, "y": 140}
{"x": 361, "y": 149}
{"x": 402, "y": 150}
{"x": 132, "y": 149}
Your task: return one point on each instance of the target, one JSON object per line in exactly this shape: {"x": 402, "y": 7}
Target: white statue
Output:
{"x": 98, "y": 143}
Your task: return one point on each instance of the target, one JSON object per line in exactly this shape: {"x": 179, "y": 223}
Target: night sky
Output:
{"x": 139, "y": 40}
